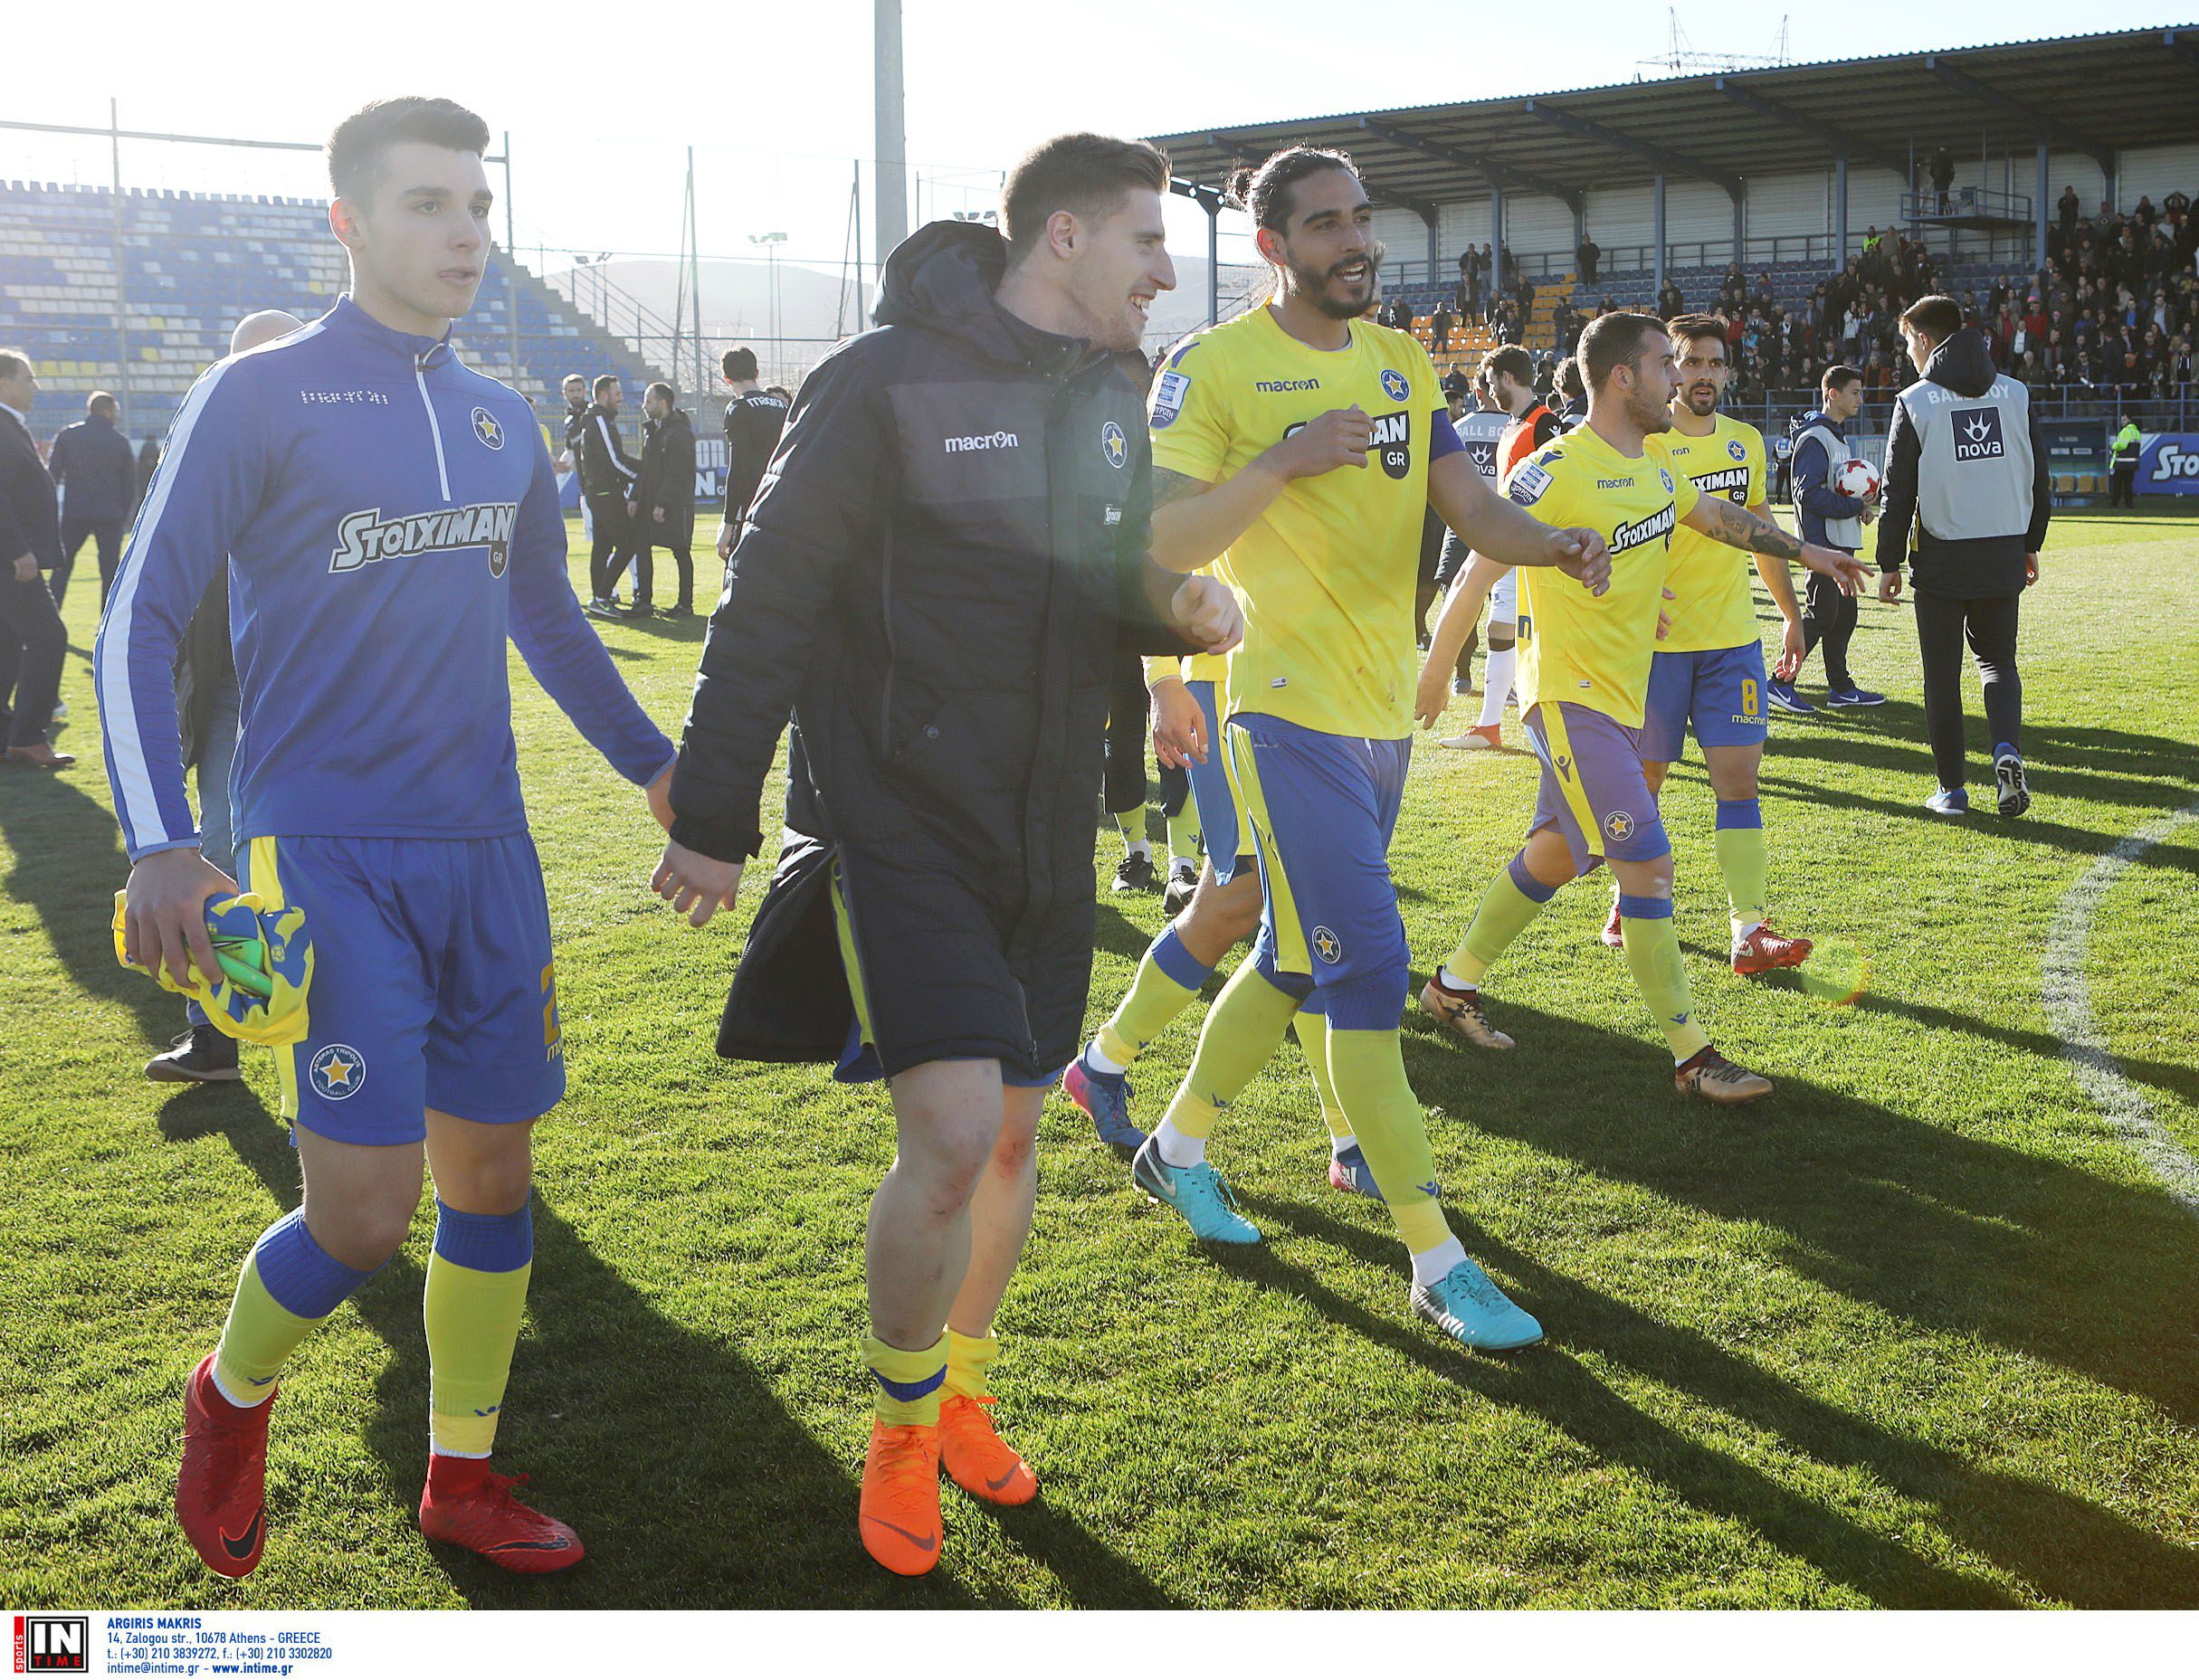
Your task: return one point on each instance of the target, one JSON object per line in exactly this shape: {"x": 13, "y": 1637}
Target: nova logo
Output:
{"x": 53, "y": 1644}
{"x": 989, "y": 439}
{"x": 365, "y": 537}
{"x": 1977, "y": 433}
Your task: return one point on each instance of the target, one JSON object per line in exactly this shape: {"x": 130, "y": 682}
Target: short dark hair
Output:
{"x": 572, "y": 379}
{"x": 603, "y": 382}
{"x": 14, "y": 361}
{"x": 1509, "y": 359}
{"x": 1613, "y": 341}
{"x": 1939, "y": 317}
{"x": 739, "y": 363}
{"x": 657, "y": 387}
{"x": 1566, "y": 380}
{"x": 355, "y": 148}
{"x": 1086, "y": 175}
{"x": 101, "y": 403}
{"x": 1265, "y": 193}
{"x": 1687, "y": 328}
{"x": 1840, "y": 376}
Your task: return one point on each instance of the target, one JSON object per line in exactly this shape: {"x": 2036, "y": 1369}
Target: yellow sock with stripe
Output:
{"x": 1168, "y": 978}
{"x": 1514, "y": 899}
{"x": 1367, "y": 1065}
{"x": 1184, "y": 833}
{"x": 288, "y": 1284}
{"x": 1652, "y": 953}
{"x": 1745, "y": 862}
{"x": 1132, "y": 823}
{"x": 475, "y": 1297}
{"x": 908, "y": 1379}
{"x": 966, "y": 1358}
{"x": 1312, "y": 1028}
{"x": 1243, "y": 1030}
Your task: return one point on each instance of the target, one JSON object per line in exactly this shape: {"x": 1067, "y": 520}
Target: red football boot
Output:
{"x": 467, "y": 1504}
{"x": 1761, "y": 951}
{"x": 220, "y": 1486}
{"x": 1613, "y": 935}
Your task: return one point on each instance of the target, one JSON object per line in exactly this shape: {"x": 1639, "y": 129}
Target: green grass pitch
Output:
{"x": 1917, "y": 1330}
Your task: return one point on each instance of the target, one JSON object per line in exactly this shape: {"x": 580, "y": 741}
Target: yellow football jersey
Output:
{"x": 1326, "y": 575}
{"x": 1712, "y": 606}
{"x": 1594, "y": 650}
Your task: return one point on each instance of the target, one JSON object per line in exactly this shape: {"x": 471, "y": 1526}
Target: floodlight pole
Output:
{"x": 511, "y": 268}
{"x": 114, "y": 131}
{"x": 893, "y": 181}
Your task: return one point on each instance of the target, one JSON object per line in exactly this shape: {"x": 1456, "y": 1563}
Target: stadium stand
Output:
{"x": 194, "y": 264}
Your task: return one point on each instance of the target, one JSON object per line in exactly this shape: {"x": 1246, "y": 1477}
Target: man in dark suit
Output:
{"x": 32, "y": 641}
{"x": 98, "y": 472}
{"x": 668, "y": 488}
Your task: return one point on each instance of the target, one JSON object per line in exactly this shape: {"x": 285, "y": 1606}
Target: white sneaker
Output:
{"x": 1479, "y": 738}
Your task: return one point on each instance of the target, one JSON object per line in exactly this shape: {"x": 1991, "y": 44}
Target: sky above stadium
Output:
{"x": 775, "y": 99}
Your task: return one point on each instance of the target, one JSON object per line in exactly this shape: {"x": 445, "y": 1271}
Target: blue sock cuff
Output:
{"x": 1366, "y": 1002}
{"x": 1740, "y": 813}
{"x": 1298, "y": 986}
{"x": 1171, "y": 956}
{"x": 1526, "y": 883}
{"x": 1635, "y": 908}
{"x": 906, "y": 1392}
{"x": 302, "y": 1276}
{"x": 486, "y": 1242}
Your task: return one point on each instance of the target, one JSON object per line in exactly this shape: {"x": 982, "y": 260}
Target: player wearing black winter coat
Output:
{"x": 948, "y": 548}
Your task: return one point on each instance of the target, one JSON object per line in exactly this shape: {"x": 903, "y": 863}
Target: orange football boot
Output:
{"x": 900, "y": 1512}
{"x": 984, "y": 1465}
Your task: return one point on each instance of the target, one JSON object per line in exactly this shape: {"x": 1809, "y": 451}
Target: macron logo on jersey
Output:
{"x": 365, "y": 537}
{"x": 990, "y": 439}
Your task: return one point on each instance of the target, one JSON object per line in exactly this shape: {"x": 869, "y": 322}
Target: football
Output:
{"x": 1857, "y": 478}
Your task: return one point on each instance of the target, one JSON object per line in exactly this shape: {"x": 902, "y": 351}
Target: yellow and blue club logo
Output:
{"x": 489, "y": 429}
{"x": 1394, "y": 386}
{"x": 1620, "y": 825}
{"x": 1327, "y": 945}
{"x": 1734, "y": 448}
{"x": 1117, "y": 446}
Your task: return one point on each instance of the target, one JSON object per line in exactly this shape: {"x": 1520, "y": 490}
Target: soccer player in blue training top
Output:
{"x": 387, "y": 516}
{"x": 1297, "y": 447}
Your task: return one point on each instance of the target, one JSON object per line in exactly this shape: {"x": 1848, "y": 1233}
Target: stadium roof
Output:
{"x": 2090, "y": 94}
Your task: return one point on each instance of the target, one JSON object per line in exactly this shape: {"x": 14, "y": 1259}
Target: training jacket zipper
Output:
{"x": 442, "y": 472}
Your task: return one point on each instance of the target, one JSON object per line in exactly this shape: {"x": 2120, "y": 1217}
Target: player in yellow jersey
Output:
{"x": 1298, "y": 447}
{"x": 1708, "y": 669}
{"x": 1584, "y": 680}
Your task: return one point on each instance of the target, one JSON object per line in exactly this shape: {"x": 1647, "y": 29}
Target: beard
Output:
{"x": 1316, "y": 286}
{"x": 1701, "y": 404}
{"x": 1651, "y": 417}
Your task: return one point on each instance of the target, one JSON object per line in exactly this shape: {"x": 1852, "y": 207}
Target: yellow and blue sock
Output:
{"x": 1652, "y": 953}
{"x": 1514, "y": 899}
{"x": 1184, "y": 835}
{"x": 1132, "y": 823}
{"x": 908, "y": 1379}
{"x": 288, "y": 1284}
{"x": 1168, "y": 978}
{"x": 1744, "y": 861}
{"x": 1243, "y": 1030}
{"x": 476, "y": 1292}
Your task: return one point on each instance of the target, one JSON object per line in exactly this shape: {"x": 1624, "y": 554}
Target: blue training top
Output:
{"x": 388, "y": 515}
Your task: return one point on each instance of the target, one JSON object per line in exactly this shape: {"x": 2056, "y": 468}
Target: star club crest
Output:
{"x": 338, "y": 1071}
{"x": 489, "y": 429}
{"x": 1393, "y": 385}
{"x": 1734, "y": 449}
{"x": 1117, "y": 446}
{"x": 1327, "y": 945}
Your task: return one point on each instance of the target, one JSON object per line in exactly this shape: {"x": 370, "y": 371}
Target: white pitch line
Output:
{"x": 2068, "y": 996}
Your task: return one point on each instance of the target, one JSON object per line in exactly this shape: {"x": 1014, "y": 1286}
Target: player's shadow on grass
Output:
{"x": 1964, "y": 1237}
{"x": 67, "y": 864}
{"x": 2062, "y": 1546}
{"x": 691, "y": 1484}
